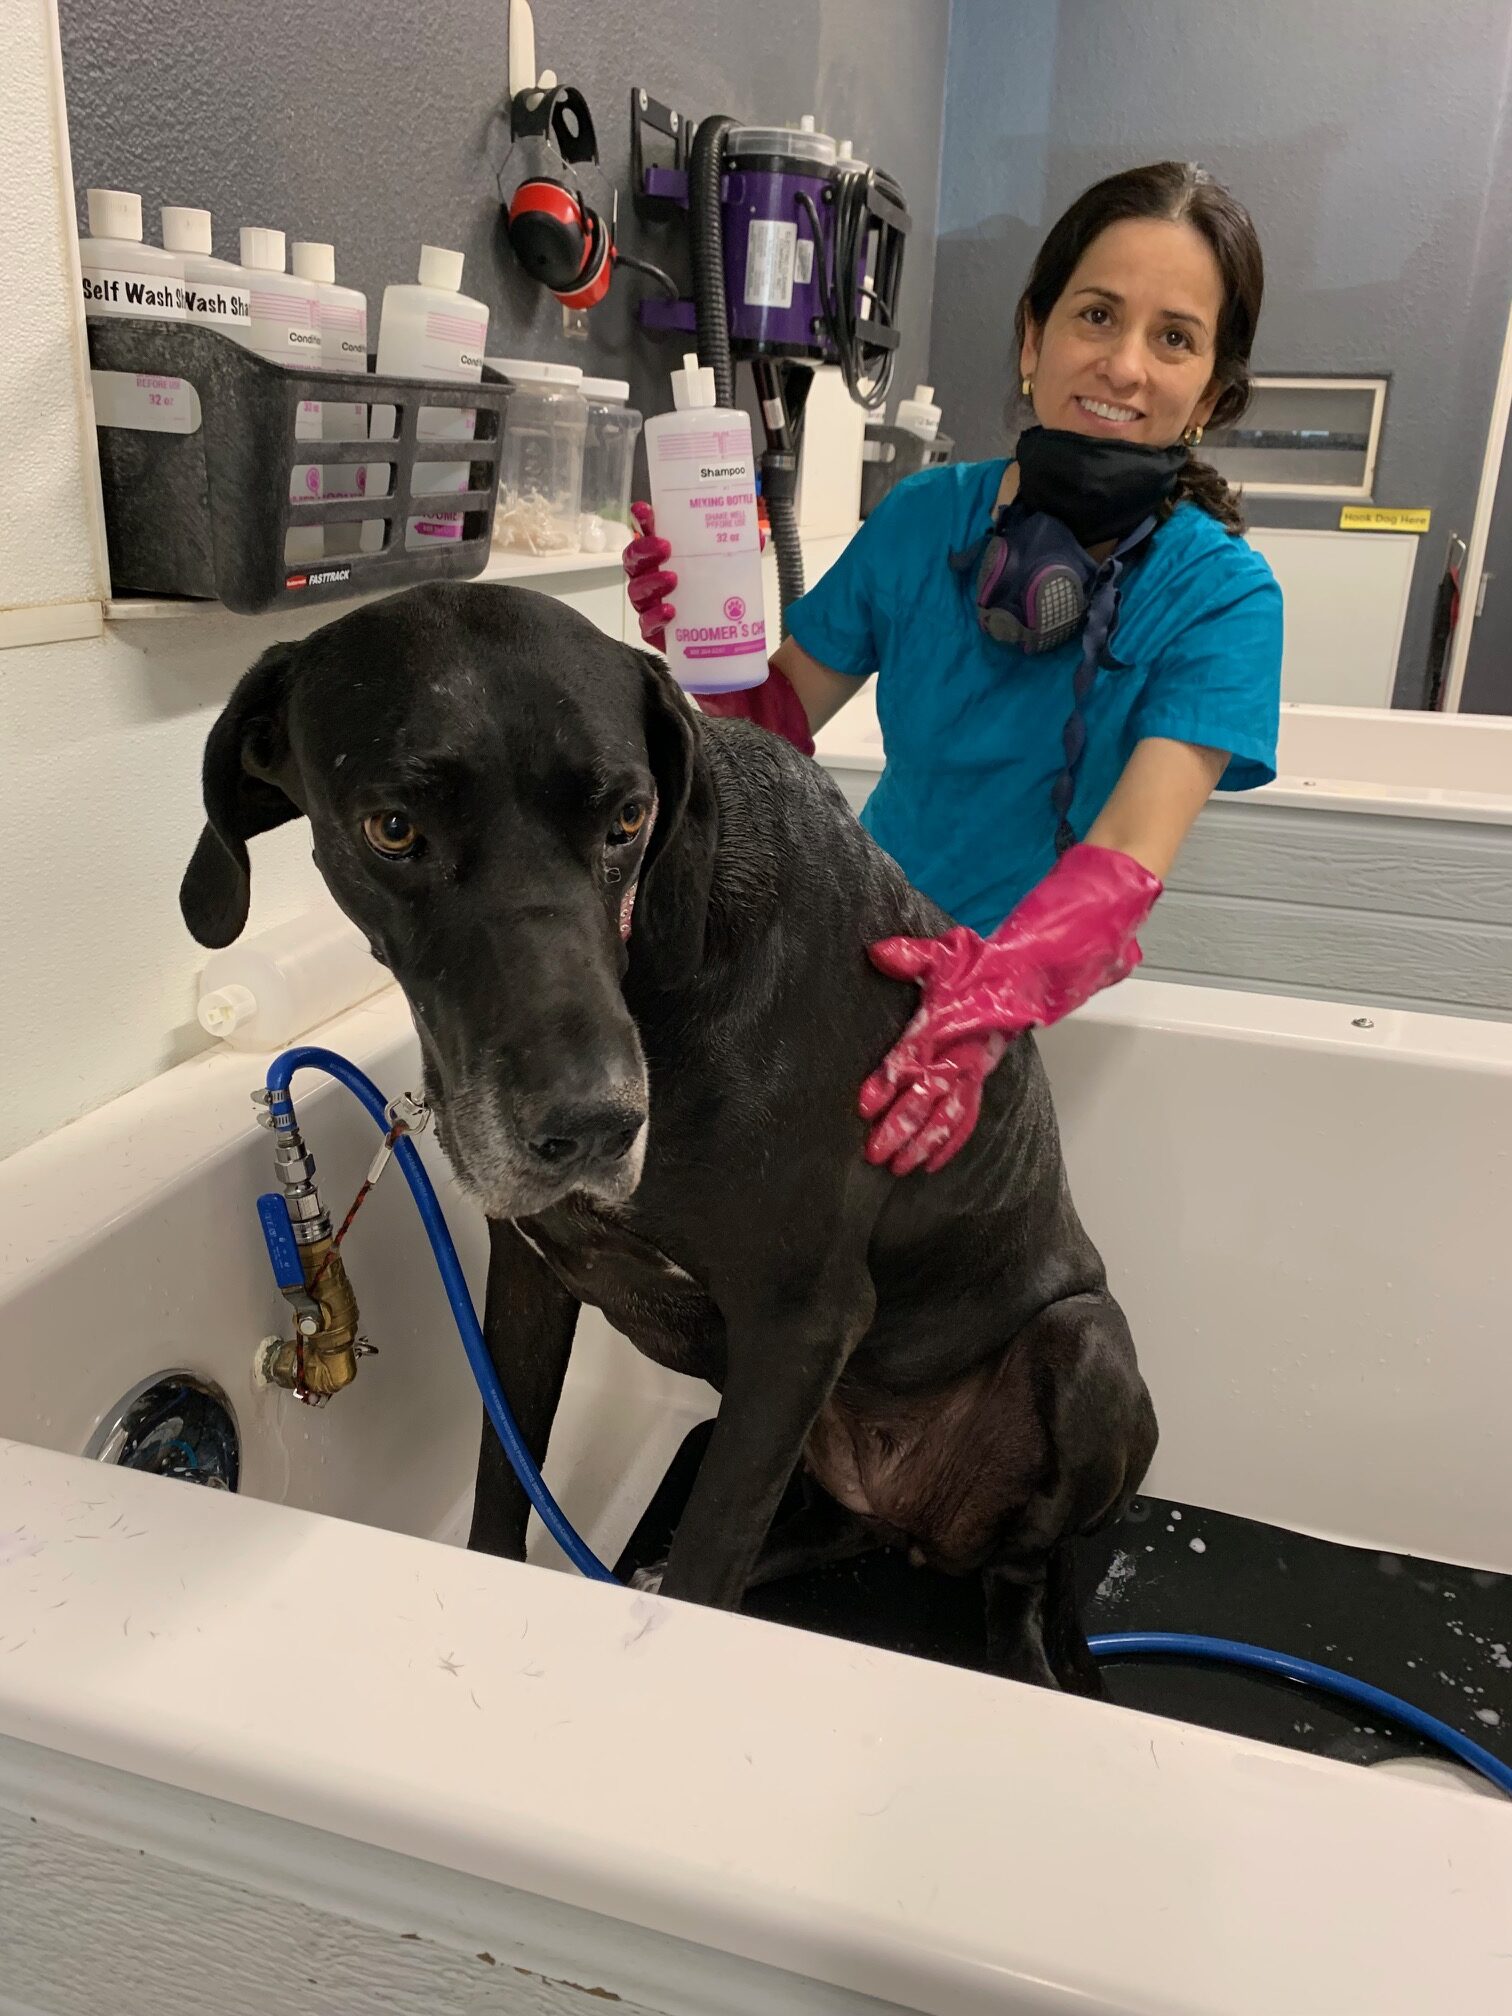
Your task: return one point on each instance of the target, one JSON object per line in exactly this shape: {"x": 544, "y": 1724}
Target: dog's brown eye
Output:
{"x": 391, "y": 835}
{"x": 628, "y": 822}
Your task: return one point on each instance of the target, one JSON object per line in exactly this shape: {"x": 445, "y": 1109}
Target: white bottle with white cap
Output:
{"x": 432, "y": 330}
{"x": 919, "y": 414}
{"x": 703, "y": 490}
{"x": 285, "y": 321}
{"x": 122, "y": 276}
{"x": 343, "y": 347}
{"x": 284, "y": 328}
{"x": 215, "y": 290}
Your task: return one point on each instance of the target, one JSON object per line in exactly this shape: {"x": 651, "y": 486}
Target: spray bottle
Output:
{"x": 703, "y": 490}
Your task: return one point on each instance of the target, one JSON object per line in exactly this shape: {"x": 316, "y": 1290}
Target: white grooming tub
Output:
{"x": 283, "y": 1750}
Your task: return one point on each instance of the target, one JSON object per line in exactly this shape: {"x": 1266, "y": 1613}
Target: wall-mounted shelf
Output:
{"x": 501, "y": 567}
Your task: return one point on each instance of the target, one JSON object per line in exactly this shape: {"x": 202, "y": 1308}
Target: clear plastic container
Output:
{"x": 540, "y": 457}
{"x": 608, "y": 466}
{"x": 257, "y": 994}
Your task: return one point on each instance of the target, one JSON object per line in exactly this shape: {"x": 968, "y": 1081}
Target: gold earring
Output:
{"x": 1026, "y": 387}
{"x": 1192, "y": 436}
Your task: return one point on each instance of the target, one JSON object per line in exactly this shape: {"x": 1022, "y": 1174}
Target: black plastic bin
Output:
{"x": 893, "y": 453}
{"x": 205, "y": 512}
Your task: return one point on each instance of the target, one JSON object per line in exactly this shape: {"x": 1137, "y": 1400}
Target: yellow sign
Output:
{"x": 1382, "y": 518}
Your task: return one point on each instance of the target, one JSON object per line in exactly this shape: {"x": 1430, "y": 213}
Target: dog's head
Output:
{"x": 490, "y": 782}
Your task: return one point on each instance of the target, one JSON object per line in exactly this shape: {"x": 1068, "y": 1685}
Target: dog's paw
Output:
{"x": 649, "y": 1580}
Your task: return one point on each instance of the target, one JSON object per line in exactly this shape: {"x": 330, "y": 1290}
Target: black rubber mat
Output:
{"x": 1439, "y": 1637}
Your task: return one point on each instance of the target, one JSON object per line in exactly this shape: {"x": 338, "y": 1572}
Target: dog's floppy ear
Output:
{"x": 247, "y": 749}
{"x": 667, "y": 942}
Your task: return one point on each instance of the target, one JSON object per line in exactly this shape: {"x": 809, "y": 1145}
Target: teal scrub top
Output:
{"x": 972, "y": 728}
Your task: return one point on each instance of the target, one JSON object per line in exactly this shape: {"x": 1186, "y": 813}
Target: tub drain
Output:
{"x": 173, "y": 1425}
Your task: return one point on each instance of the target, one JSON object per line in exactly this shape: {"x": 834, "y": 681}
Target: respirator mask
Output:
{"x": 1036, "y": 584}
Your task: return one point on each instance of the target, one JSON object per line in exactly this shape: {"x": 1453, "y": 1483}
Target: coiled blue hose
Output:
{"x": 1116, "y": 1645}
{"x": 553, "y": 1518}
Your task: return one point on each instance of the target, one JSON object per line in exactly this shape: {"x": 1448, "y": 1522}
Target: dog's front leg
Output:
{"x": 782, "y": 1364}
{"x": 528, "y": 1321}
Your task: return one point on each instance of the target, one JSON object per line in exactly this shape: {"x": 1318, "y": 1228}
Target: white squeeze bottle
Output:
{"x": 343, "y": 347}
{"x": 920, "y": 415}
{"x": 122, "y": 276}
{"x": 215, "y": 290}
{"x": 703, "y": 491}
{"x": 258, "y": 994}
{"x": 432, "y": 330}
{"x": 284, "y": 328}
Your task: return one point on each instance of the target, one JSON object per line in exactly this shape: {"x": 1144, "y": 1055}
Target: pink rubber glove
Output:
{"x": 1072, "y": 935}
{"x": 773, "y": 705}
{"x": 649, "y": 579}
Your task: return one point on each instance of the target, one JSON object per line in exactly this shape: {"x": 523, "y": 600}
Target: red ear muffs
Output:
{"x": 550, "y": 232}
{"x": 592, "y": 283}
{"x": 561, "y": 242}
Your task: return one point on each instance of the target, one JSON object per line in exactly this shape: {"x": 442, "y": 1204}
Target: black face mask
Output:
{"x": 1098, "y": 489}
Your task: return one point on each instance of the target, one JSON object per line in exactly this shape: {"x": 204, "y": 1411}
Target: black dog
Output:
{"x": 655, "y": 1101}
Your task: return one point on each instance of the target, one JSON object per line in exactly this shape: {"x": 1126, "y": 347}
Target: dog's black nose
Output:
{"x": 598, "y": 1132}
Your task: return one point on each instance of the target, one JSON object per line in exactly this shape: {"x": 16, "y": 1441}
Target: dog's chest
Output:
{"x": 603, "y": 1261}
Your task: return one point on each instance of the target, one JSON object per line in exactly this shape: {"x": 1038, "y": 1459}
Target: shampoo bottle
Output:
{"x": 215, "y": 290}
{"x": 122, "y": 276}
{"x": 703, "y": 490}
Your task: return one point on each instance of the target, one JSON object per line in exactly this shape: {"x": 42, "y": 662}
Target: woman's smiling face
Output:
{"x": 1127, "y": 352}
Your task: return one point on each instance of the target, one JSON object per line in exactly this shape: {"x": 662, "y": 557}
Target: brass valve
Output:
{"x": 322, "y": 1356}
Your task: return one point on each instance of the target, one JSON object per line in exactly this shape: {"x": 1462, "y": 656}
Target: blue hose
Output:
{"x": 553, "y": 1518}
{"x": 1282, "y": 1665}
{"x": 1118, "y": 1645}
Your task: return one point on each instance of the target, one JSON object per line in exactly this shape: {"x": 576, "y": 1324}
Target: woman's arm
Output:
{"x": 1070, "y": 936}
{"x": 822, "y": 691}
{"x": 1164, "y": 786}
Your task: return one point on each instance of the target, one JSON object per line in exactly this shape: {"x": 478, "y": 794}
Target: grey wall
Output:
{"x": 376, "y": 127}
{"x": 1372, "y": 143}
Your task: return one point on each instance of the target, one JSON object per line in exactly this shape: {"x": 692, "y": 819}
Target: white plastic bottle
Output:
{"x": 919, "y": 414}
{"x": 433, "y": 330}
{"x": 258, "y": 994}
{"x": 122, "y": 276}
{"x": 343, "y": 347}
{"x": 284, "y": 328}
{"x": 703, "y": 490}
{"x": 215, "y": 290}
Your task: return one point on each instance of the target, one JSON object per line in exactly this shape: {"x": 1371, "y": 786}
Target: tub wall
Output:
{"x": 1341, "y": 904}
{"x": 1306, "y": 1223}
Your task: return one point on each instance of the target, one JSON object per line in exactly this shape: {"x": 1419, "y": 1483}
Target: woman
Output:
{"x": 1073, "y": 648}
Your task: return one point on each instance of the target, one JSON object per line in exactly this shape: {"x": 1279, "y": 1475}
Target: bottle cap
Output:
{"x": 693, "y": 385}
{"x": 440, "y": 268}
{"x": 263, "y": 250}
{"x": 114, "y": 213}
{"x": 226, "y": 1008}
{"x": 314, "y": 261}
{"x": 185, "y": 230}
